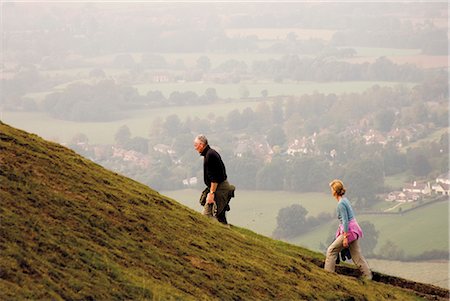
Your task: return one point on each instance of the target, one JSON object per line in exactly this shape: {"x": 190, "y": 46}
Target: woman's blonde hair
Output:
{"x": 338, "y": 187}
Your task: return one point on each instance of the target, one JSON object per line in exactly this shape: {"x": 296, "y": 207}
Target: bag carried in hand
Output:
{"x": 203, "y": 196}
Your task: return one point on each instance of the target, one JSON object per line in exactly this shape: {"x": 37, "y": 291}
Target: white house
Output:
{"x": 441, "y": 188}
{"x": 190, "y": 182}
{"x": 423, "y": 188}
{"x": 165, "y": 149}
{"x": 402, "y": 196}
{"x": 445, "y": 178}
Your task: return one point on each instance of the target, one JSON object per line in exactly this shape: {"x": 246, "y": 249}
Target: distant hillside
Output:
{"x": 70, "y": 229}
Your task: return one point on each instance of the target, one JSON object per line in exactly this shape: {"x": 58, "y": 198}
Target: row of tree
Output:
{"x": 107, "y": 100}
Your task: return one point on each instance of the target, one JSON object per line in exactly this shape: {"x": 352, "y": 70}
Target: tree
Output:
{"x": 271, "y": 176}
{"x": 291, "y": 221}
{"x": 122, "y": 136}
{"x": 210, "y": 95}
{"x": 384, "y": 120}
{"x": 394, "y": 161}
{"x": 243, "y": 170}
{"x": 138, "y": 144}
{"x": 204, "y": 63}
{"x": 264, "y": 93}
{"x": 364, "y": 179}
{"x": 389, "y": 250}
{"x": 307, "y": 174}
{"x": 419, "y": 164}
{"x": 155, "y": 98}
{"x": 79, "y": 138}
{"x": 276, "y": 136}
{"x": 235, "y": 121}
{"x": 277, "y": 113}
{"x": 172, "y": 125}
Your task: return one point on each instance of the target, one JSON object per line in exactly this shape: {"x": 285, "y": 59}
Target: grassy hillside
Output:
{"x": 72, "y": 230}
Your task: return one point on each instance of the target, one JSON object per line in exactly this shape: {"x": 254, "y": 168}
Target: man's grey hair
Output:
{"x": 202, "y": 139}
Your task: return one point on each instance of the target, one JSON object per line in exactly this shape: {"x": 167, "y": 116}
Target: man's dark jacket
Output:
{"x": 213, "y": 167}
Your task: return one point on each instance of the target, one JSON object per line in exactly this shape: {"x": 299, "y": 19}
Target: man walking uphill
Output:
{"x": 218, "y": 193}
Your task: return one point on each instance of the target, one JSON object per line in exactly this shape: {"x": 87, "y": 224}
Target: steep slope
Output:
{"x": 70, "y": 229}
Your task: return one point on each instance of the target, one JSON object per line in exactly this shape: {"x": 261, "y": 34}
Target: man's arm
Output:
{"x": 211, "y": 194}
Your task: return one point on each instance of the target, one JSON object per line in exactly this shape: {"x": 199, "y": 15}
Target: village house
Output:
{"x": 305, "y": 145}
{"x": 442, "y": 185}
{"x": 410, "y": 193}
{"x": 164, "y": 149}
{"x": 415, "y": 191}
{"x": 445, "y": 178}
{"x": 256, "y": 147}
{"x": 441, "y": 188}
{"x": 422, "y": 188}
{"x": 374, "y": 137}
{"x": 402, "y": 196}
{"x": 298, "y": 147}
{"x": 131, "y": 156}
{"x": 161, "y": 77}
{"x": 190, "y": 182}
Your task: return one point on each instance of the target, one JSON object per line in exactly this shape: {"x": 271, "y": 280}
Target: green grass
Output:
{"x": 397, "y": 181}
{"x": 73, "y": 230}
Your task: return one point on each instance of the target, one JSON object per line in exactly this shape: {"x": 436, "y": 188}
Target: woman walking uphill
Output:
{"x": 348, "y": 233}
